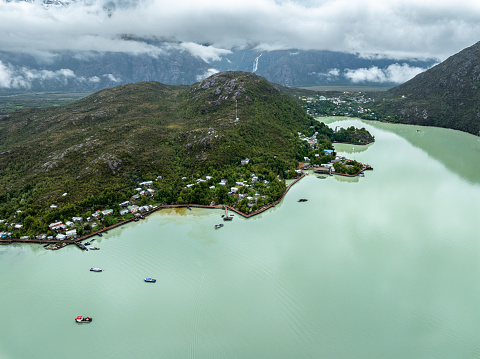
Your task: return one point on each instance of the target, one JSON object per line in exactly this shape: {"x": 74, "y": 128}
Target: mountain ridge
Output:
{"x": 173, "y": 63}
{"x": 447, "y": 95}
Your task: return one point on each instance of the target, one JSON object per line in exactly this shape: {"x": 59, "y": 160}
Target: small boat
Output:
{"x": 100, "y": 235}
{"x": 302, "y": 200}
{"x": 189, "y": 208}
{"x": 87, "y": 243}
{"x": 81, "y": 319}
{"x": 217, "y": 226}
{"x": 96, "y": 269}
{"x": 150, "y": 280}
{"x": 94, "y": 248}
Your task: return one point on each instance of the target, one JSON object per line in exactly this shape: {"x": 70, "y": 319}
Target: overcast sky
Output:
{"x": 393, "y": 28}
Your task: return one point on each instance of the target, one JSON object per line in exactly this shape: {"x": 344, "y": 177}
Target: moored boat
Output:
{"x": 217, "y": 226}
{"x": 81, "y": 319}
{"x": 94, "y": 248}
{"x": 94, "y": 269}
{"x": 150, "y": 280}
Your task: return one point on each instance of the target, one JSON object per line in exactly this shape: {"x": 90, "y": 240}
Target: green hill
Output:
{"x": 447, "y": 95}
{"x": 97, "y": 149}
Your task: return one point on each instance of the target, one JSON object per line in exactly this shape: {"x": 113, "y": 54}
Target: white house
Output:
{"x": 70, "y": 234}
{"x": 233, "y": 189}
{"x": 54, "y": 226}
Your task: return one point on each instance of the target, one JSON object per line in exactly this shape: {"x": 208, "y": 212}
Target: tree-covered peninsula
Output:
{"x": 231, "y": 139}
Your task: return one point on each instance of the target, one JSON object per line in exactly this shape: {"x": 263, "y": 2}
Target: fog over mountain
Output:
{"x": 92, "y": 44}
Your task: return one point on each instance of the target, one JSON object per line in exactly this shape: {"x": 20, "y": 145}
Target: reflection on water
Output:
{"x": 347, "y": 148}
{"x": 458, "y": 151}
{"x": 346, "y": 179}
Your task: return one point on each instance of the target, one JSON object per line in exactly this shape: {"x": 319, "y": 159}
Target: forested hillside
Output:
{"x": 447, "y": 95}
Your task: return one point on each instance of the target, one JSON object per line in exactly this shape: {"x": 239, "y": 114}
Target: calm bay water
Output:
{"x": 385, "y": 266}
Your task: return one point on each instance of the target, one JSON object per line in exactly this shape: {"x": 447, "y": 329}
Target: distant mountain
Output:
{"x": 172, "y": 63}
{"x": 298, "y": 68}
{"x": 447, "y": 95}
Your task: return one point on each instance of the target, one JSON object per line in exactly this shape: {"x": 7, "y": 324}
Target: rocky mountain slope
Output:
{"x": 447, "y": 95}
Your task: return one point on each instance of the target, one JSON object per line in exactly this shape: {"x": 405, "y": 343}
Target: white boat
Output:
{"x": 81, "y": 319}
{"x": 96, "y": 269}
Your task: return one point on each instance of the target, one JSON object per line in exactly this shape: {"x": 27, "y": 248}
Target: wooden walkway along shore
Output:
{"x": 63, "y": 243}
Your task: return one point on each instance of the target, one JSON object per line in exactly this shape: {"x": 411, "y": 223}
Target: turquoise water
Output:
{"x": 384, "y": 266}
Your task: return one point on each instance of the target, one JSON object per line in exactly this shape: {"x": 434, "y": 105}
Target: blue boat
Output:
{"x": 150, "y": 280}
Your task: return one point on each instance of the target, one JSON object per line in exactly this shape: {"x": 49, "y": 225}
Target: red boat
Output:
{"x": 81, "y": 319}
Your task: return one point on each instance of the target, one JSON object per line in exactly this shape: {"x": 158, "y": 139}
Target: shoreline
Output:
{"x": 65, "y": 243}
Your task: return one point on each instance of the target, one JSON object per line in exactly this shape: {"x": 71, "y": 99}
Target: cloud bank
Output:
{"x": 394, "y": 28}
{"x": 22, "y": 78}
{"x": 394, "y": 73}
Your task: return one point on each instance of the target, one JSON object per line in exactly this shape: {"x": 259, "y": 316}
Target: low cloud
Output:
{"x": 395, "y": 73}
{"x": 206, "y": 53}
{"x": 206, "y": 74}
{"x": 94, "y": 79}
{"x": 23, "y": 78}
{"x": 112, "y": 78}
{"x": 329, "y": 75}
